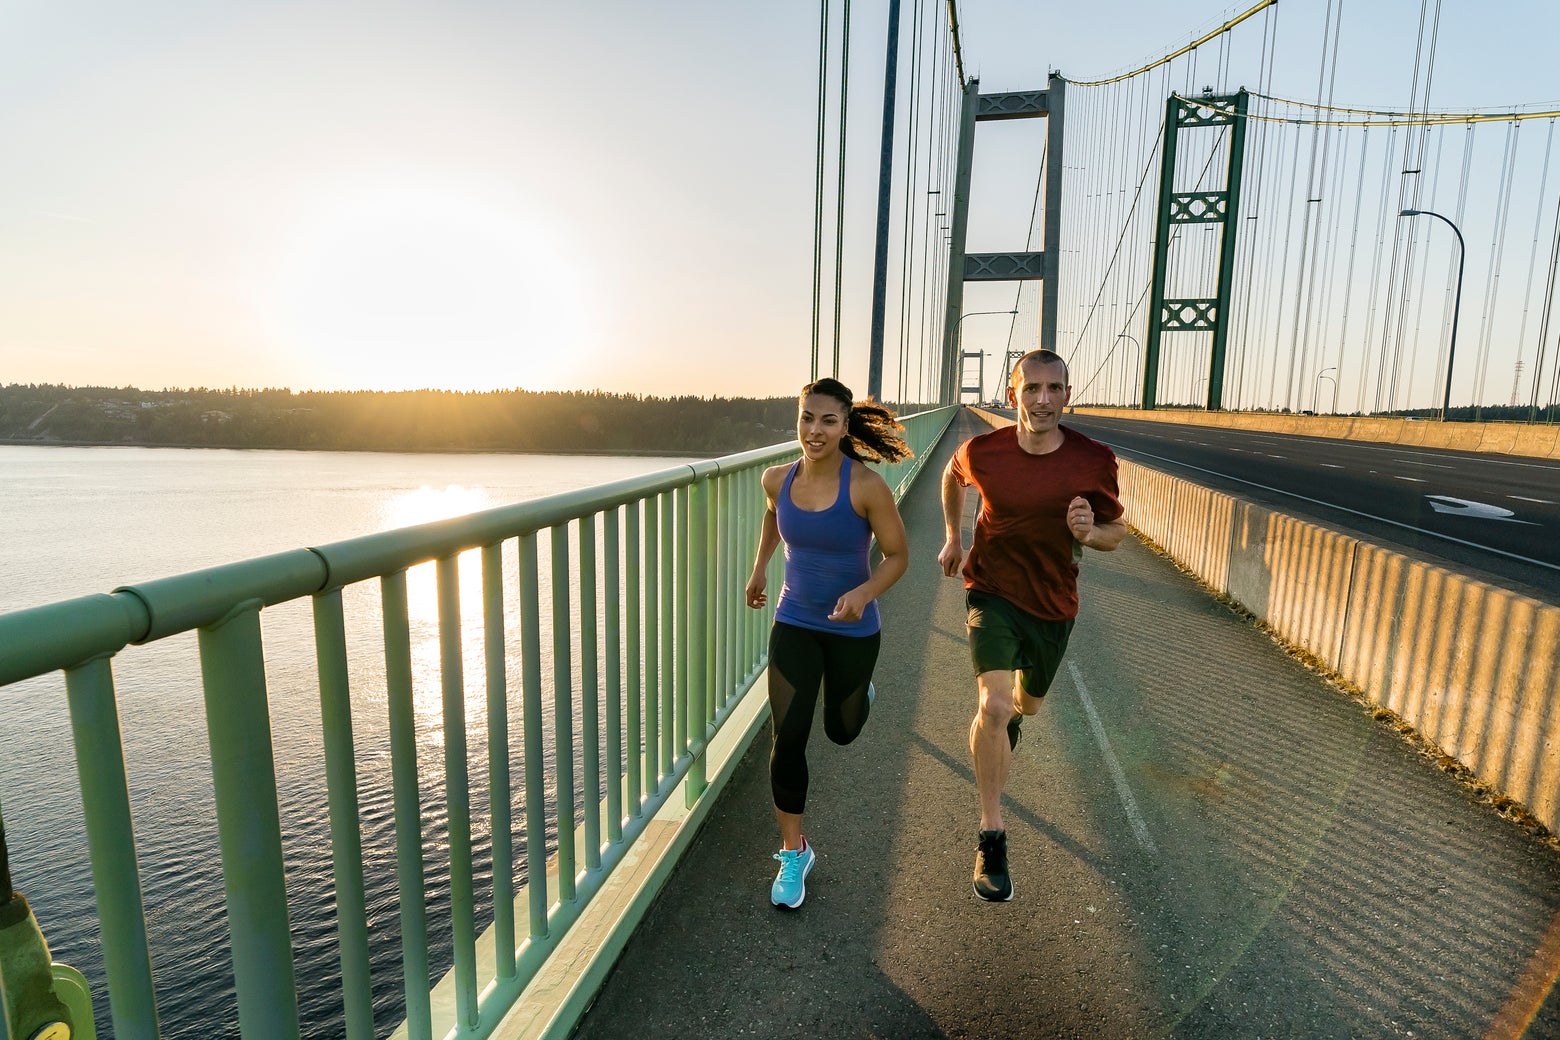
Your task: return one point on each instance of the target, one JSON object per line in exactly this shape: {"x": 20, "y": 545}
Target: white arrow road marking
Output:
{"x": 1477, "y": 510}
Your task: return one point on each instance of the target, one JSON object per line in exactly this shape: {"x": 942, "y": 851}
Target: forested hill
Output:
{"x": 419, "y": 420}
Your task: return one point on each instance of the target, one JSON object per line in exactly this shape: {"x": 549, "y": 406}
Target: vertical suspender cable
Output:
{"x": 1527, "y": 295}
{"x": 1424, "y": 276}
{"x": 1354, "y": 238}
{"x": 823, "y": 116}
{"x": 1543, "y": 328}
{"x": 885, "y": 199}
{"x": 1497, "y": 256}
{"x": 839, "y": 214}
{"x": 912, "y": 198}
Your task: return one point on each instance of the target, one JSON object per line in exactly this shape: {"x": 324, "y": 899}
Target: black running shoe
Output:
{"x": 991, "y": 867}
{"x": 1015, "y": 730}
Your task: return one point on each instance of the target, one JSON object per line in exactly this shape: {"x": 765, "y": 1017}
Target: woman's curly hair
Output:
{"x": 871, "y": 431}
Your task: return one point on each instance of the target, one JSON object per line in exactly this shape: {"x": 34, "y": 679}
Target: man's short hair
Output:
{"x": 1045, "y": 357}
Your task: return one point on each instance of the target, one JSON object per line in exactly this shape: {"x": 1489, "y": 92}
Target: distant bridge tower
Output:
{"x": 991, "y": 267}
{"x": 1199, "y": 314}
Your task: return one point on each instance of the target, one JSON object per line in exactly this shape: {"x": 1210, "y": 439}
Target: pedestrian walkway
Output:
{"x": 1206, "y": 838}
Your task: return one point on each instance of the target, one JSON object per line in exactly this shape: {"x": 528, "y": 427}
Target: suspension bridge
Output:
{"x": 1336, "y": 821}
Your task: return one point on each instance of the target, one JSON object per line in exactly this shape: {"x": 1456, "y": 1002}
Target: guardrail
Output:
{"x": 636, "y": 587}
{"x": 1473, "y": 668}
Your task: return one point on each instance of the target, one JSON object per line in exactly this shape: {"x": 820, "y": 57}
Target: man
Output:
{"x": 1046, "y": 492}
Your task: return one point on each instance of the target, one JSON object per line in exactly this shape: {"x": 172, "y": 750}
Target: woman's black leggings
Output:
{"x": 801, "y": 662}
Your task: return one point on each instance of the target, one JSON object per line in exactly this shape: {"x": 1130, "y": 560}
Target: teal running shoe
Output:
{"x": 790, "y": 886}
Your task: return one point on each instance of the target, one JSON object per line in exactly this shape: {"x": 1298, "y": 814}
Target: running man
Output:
{"x": 1046, "y": 491}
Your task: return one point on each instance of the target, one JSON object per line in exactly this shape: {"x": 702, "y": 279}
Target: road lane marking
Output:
{"x": 1353, "y": 512}
{"x": 1538, "y": 501}
{"x": 1139, "y": 828}
{"x": 1478, "y": 510}
{"x": 1411, "y": 480}
{"x": 1330, "y": 465}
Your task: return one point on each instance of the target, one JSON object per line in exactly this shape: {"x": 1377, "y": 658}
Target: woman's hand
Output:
{"x": 851, "y": 606}
{"x": 755, "y": 590}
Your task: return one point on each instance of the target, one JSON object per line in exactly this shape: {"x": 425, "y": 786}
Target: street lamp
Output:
{"x": 1462, "y": 251}
{"x": 1135, "y": 343}
{"x": 1316, "y": 394}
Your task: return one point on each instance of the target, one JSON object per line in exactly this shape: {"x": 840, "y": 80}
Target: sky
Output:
{"x": 487, "y": 195}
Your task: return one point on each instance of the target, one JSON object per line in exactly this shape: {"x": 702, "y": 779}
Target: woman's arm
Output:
{"x": 768, "y": 539}
{"x": 888, "y": 527}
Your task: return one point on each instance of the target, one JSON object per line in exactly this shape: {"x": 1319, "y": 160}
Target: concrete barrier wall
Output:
{"x": 1474, "y": 668}
{"x": 1502, "y": 438}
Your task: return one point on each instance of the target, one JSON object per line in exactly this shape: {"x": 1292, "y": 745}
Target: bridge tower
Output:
{"x": 1198, "y": 314}
{"x": 992, "y": 267}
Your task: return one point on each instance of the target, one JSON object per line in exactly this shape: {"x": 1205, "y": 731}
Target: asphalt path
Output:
{"x": 1493, "y": 517}
{"x": 1208, "y": 842}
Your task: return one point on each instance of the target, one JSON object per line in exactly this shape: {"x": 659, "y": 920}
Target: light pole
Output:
{"x": 1462, "y": 252}
{"x": 958, "y": 336}
{"x": 1135, "y": 344}
{"x": 1316, "y": 394}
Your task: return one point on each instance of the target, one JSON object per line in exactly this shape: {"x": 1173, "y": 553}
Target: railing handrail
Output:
{"x": 703, "y": 662}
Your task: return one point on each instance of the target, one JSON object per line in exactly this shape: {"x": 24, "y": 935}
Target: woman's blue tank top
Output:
{"x": 825, "y": 557}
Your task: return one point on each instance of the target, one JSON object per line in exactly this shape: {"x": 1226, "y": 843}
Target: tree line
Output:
{"x": 414, "y": 420}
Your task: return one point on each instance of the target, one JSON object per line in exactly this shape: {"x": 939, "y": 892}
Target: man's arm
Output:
{"x": 1080, "y": 521}
{"x": 951, "y": 558}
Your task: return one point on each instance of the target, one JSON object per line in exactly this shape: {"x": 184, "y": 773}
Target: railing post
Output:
{"x": 243, "y": 773}
{"x": 116, "y": 876}
{"x": 457, "y": 793}
{"x": 408, "y": 808}
{"x": 666, "y": 678}
{"x": 346, "y": 841}
{"x": 494, "y": 644}
{"x": 615, "y": 693}
{"x": 531, "y": 720}
{"x": 563, "y": 712}
{"x": 693, "y": 621}
{"x": 590, "y": 692}
{"x": 682, "y": 713}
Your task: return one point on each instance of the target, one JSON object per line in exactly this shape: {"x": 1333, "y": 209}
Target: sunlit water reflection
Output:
{"x": 85, "y": 520}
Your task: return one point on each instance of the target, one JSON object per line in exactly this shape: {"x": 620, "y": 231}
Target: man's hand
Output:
{"x": 951, "y": 558}
{"x": 1080, "y": 519}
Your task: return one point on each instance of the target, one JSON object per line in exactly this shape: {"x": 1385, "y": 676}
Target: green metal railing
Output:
{"x": 644, "y": 611}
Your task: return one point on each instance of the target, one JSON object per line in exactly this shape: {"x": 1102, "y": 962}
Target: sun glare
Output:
{"x": 411, "y": 287}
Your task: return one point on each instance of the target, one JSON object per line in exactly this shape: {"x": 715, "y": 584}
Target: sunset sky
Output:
{"x": 475, "y": 195}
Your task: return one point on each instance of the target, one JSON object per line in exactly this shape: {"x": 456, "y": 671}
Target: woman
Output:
{"x": 827, "y": 507}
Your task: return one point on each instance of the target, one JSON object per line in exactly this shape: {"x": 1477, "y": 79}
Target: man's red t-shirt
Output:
{"x": 1023, "y": 549}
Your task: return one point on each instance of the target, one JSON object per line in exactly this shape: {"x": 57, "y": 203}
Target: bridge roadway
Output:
{"x": 1207, "y": 840}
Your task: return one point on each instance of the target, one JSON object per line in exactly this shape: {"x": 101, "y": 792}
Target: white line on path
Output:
{"x": 1127, "y": 801}
{"x": 1540, "y": 501}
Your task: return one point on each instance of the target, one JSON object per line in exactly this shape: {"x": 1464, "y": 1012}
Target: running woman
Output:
{"x": 826, "y": 507}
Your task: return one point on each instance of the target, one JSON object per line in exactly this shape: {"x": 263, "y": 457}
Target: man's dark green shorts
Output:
{"x": 1004, "y": 638}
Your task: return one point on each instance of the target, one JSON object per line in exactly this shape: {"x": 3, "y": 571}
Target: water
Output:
{"x": 75, "y": 521}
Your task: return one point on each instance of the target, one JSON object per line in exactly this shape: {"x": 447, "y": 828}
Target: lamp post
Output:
{"x": 1451, "y": 348}
{"x": 1135, "y": 344}
{"x": 1316, "y": 393}
{"x": 958, "y": 336}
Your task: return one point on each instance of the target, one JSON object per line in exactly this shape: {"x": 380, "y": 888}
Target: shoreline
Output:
{"x": 15, "y": 442}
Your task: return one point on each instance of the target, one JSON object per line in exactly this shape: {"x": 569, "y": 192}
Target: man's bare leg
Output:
{"x": 989, "y": 744}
